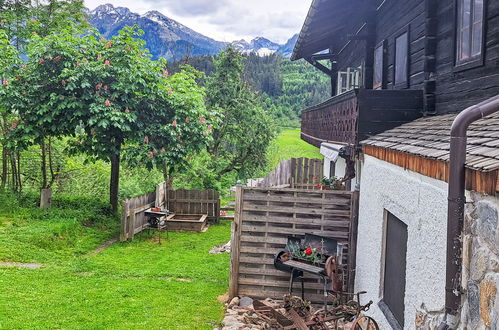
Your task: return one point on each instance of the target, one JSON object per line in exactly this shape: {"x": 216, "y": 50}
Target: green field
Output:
{"x": 289, "y": 145}
{"x": 138, "y": 285}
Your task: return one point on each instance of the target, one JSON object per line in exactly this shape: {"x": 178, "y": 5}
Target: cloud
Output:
{"x": 188, "y": 8}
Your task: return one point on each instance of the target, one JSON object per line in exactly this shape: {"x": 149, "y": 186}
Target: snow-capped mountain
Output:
{"x": 168, "y": 38}
{"x": 260, "y": 45}
{"x": 164, "y": 36}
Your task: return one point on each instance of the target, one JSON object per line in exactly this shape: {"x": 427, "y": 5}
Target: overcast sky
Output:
{"x": 227, "y": 20}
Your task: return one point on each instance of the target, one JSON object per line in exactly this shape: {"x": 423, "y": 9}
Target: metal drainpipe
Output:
{"x": 455, "y": 216}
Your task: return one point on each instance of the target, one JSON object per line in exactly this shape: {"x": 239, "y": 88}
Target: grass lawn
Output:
{"x": 138, "y": 285}
{"x": 289, "y": 145}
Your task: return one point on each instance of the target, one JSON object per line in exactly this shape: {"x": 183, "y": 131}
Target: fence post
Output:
{"x": 124, "y": 222}
{"x": 235, "y": 242}
{"x": 352, "y": 241}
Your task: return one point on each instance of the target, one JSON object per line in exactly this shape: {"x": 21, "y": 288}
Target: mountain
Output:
{"x": 287, "y": 49}
{"x": 164, "y": 36}
{"x": 260, "y": 46}
{"x": 168, "y": 38}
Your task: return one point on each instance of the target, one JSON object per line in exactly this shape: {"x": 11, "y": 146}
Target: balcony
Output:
{"x": 353, "y": 116}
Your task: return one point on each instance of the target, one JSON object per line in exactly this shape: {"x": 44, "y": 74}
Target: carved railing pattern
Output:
{"x": 334, "y": 120}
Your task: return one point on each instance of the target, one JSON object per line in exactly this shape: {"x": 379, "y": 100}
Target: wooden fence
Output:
{"x": 304, "y": 173}
{"x": 265, "y": 217}
{"x": 195, "y": 202}
{"x": 133, "y": 219}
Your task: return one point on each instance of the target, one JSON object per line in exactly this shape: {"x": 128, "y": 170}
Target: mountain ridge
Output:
{"x": 171, "y": 39}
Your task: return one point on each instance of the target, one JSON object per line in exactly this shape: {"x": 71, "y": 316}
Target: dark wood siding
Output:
{"x": 457, "y": 90}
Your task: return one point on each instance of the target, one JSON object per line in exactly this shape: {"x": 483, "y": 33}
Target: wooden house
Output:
{"x": 392, "y": 61}
{"x": 400, "y": 72}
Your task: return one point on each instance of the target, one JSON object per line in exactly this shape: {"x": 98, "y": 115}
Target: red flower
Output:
{"x": 5, "y": 82}
{"x": 163, "y": 150}
{"x": 14, "y": 124}
{"x": 23, "y": 66}
{"x": 98, "y": 86}
{"x": 174, "y": 123}
{"x": 108, "y": 103}
{"x": 107, "y": 63}
{"x": 202, "y": 120}
{"x": 127, "y": 110}
{"x": 42, "y": 61}
{"x": 170, "y": 92}
{"x": 210, "y": 127}
{"x": 165, "y": 73}
{"x": 57, "y": 58}
{"x": 99, "y": 56}
{"x": 308, "y": 251}
{"x": 150, "y": 155}
{"x": 108, "y": 45}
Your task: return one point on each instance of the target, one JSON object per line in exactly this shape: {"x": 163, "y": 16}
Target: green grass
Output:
{"x": 289, "y": 145}
{"x": 137, "y": 285}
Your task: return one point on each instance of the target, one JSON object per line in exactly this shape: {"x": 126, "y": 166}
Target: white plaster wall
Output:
{"x": 421, "y": 203}
{"x": 341, "y": 166}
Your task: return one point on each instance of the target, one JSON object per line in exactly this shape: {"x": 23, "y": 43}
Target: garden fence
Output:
{"x": 265, "y": 217}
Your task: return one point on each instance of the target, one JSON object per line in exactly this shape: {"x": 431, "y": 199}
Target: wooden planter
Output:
{"x": 186, "y": 222}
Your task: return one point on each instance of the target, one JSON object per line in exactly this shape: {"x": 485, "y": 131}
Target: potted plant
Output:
{"x": 332, "y": 183}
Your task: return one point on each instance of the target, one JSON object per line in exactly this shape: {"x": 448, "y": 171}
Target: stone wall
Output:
{"x": 481, "y": 263}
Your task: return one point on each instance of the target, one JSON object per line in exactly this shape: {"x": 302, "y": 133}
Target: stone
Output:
{"x": 233, "y": 302}
{"x": 494, "y": 264}
{"x": 488, "y": 291}
{"x": 245, "y": 302}
{"x": 473, "y": 303}
{"x": 479, "y": 264}
{"x": 487, "y": 222}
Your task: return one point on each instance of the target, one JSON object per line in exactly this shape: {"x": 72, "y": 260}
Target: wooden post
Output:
{"x": 131, "y": 225}
{"x": 235, "y": 243}
{"x": 124, "y": 216}
{"x": 352, "y": 242}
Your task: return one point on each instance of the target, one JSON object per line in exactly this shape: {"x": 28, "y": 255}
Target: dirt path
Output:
{"x": 102, "y": 247}
{"x": 19, "y": 264}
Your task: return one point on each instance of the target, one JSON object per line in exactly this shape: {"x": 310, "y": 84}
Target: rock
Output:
{"x": 478, "y": 265}
{"x": 246, "y": 302}
{"x": 233, "y": 302}
{"x": 488, "y": 291}
{"x": 488, "y": 223}
{"x": 473, "y": 303}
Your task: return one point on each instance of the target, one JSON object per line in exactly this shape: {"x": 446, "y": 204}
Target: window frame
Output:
{"x": 383, "y": 46}
{"x": 406, "y": 83}
{"x": 475, "y": 61}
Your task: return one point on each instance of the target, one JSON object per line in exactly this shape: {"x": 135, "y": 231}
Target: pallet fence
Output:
{"x": 195, "y": 202}
{"x": 264, "y": 218}
{"x": 181, "y": 202}
{"x": 303, "y": 173}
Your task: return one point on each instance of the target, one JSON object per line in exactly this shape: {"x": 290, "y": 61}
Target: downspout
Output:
{"x": 455, "y": 216}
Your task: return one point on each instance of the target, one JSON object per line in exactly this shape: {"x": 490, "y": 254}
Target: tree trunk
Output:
{"x": 44, "y": 163}
{"x": 5, "y": 156}
{"x": 115, "y": 181}
{"x": 46, "y": 199}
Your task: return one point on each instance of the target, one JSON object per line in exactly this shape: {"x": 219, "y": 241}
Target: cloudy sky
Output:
{"x": 227, "y": 20}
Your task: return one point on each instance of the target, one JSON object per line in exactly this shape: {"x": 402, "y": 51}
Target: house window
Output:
{"x": 332, "y": 169}
{"x": 379, "y": 64}
{"x": 392, "y": 303}
{"x": 401, "y": 58}
{"x": 470, "y": 14}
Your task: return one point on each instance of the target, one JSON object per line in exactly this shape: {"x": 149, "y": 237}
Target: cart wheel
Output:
{"x": 364, "y": 322}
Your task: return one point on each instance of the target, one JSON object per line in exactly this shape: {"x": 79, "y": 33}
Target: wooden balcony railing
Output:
{"x": 354, "y": 116}
{"x": 333, "y": 120}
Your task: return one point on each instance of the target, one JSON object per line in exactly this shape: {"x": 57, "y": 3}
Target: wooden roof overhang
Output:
{"x": 326, "y": 27}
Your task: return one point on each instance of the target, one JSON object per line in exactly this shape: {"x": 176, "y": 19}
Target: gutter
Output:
{"x": 455, "y": 216}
